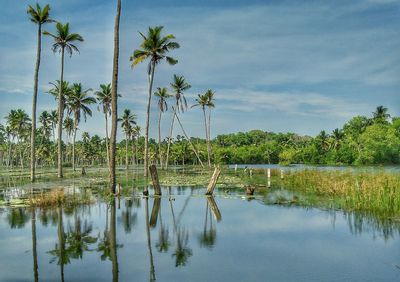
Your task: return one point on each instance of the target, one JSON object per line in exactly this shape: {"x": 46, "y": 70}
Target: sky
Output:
{"x": 282, "y": 66}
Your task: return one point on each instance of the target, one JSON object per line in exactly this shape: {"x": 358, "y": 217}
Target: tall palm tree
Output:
{"x": 337, "y": 136}
{"x": 154, "y": 47}
{"x": 210, "y": 104}
{"x": 202, "y": 101}
{"x": 63, "y": 40}
{"x": 78, "y": 102}
{"x": 104, "y": 99}
{"x": 163, "y": 95}
{"x": 114, "y": 97}
{"x": 179, "y": 85}
{"x": 381, "y": 114}
{"x": 38, "y": 16}
{"x": 127, "y": 122}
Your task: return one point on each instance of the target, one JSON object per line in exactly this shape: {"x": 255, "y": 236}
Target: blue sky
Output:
{"x": 299, "y": 66}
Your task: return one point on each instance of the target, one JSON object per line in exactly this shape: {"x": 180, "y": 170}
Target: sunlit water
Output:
{"x": 192, "y": 238}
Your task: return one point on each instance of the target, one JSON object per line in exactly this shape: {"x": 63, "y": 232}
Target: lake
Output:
{"x": 185, "y": 236}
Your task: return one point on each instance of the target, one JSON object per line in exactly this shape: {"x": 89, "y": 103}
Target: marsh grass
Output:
{"x": 377, "y": 192}
{"x": 58, "y": 197}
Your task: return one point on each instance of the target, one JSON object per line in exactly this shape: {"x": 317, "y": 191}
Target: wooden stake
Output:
{"x": 213, "y": 181}
{"x": 281, "y": 173}
{"x": 154, "y": 178}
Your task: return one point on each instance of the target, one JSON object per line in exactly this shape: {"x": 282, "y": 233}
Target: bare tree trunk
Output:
{"x": 190, "y": 142}
{"x": 114, "y": 97}
{"x": 170, "y": 136}
{"x": 34, "y": 102}
{"x": 146, "y": 133}
{"x": 60, "y": 116}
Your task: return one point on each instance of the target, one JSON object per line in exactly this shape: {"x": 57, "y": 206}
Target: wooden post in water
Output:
{"x": 281, "y": 173}
{"x": 235, "y": 168}
{"x": 213, "y": 181}
{"x": 154, "y": 178}
{"x": 251, "y": 172}
{"x": 269, "y": 177}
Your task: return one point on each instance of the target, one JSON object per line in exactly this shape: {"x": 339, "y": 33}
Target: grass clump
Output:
{"x": 356, "y": 191}
{"x": 58, "y": 197}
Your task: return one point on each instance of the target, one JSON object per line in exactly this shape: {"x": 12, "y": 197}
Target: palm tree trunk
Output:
{"x": 159, "y": 139}
{"x": 133, "y": 151}
{"x": 114, "y": 97}
{"x": 170, "y": 135}
{"x": 34, "y": 102}
{"x": 73, "y": 147}
{"x": 208, "y": 149}
{"x": 60, "y": 116}
{"x": 126, "y": 152}
{"x": 146, "y": 134}
{"x": 193, "y": 147}
{"x": 107, "y": 149}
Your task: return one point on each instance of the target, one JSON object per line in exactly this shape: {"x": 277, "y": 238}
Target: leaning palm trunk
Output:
{"x": 207, "y": 138}
{"x": 170, "y": 136}
{"x": 146, "y": 134}
{"x": 159, "y": 140}
{"x": 114, "y": 97}
{"x": 34, "y": 102}
{"x": 190, "y": 142}
{"x": 60, "y": 116}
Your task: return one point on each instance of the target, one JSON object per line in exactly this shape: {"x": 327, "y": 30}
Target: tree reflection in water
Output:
{"x": 209, "y": 235}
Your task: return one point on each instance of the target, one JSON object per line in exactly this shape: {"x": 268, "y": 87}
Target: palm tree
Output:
{"x": 381, "y": 115}
{"x": 53, "y": 120}
{"x": 154, "y": 47}
{"x": 202, "y": 101}
{"x": 38, "y": 16}
{"x": 163, "y": 95}
{"x": 210, "y": 104}
{"x": 19, "y": 122}
{"x": 337, "y": 136}
{"x": 104, "y": 98}
{"x": 114, "y": 97}
{"x": 179, "y": 85}
{"x": 63, "y": 40}
{"x": 78, "y": 102}
{"x": 127, "y": 122}
{"x": 45, "y": 121}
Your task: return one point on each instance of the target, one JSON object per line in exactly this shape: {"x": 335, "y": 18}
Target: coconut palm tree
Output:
{"x": 104, "y": 99}
{"x": 114, "y": 98}
{"x": 127, "y": 122}
{"x": 154, "y": 47}
{"x": 337, "y": 136}
{"x": 381, "y": 115}
{"x": 210, "y": 104}
{"x": 44, "y": 120}
{"x": 63, "y": 40}
{"x": 179, "y": 85}
{"x": 78, "y": 102}
{"x": 163, "y": 95}
{"x": 19, "y": 123}
{"x": 202, "y": 101}
{"x": 39, "y": 17}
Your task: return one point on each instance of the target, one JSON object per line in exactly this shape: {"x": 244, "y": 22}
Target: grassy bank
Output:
{"x": 362, "y": 191}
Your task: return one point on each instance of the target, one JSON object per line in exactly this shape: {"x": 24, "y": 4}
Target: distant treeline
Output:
{"x": 361, "y": 141}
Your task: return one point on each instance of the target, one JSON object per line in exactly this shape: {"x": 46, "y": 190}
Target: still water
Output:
{"x": 184, "y": 236}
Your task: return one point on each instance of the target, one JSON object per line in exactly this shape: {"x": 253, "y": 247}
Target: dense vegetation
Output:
{"x": 361, "y": 141}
